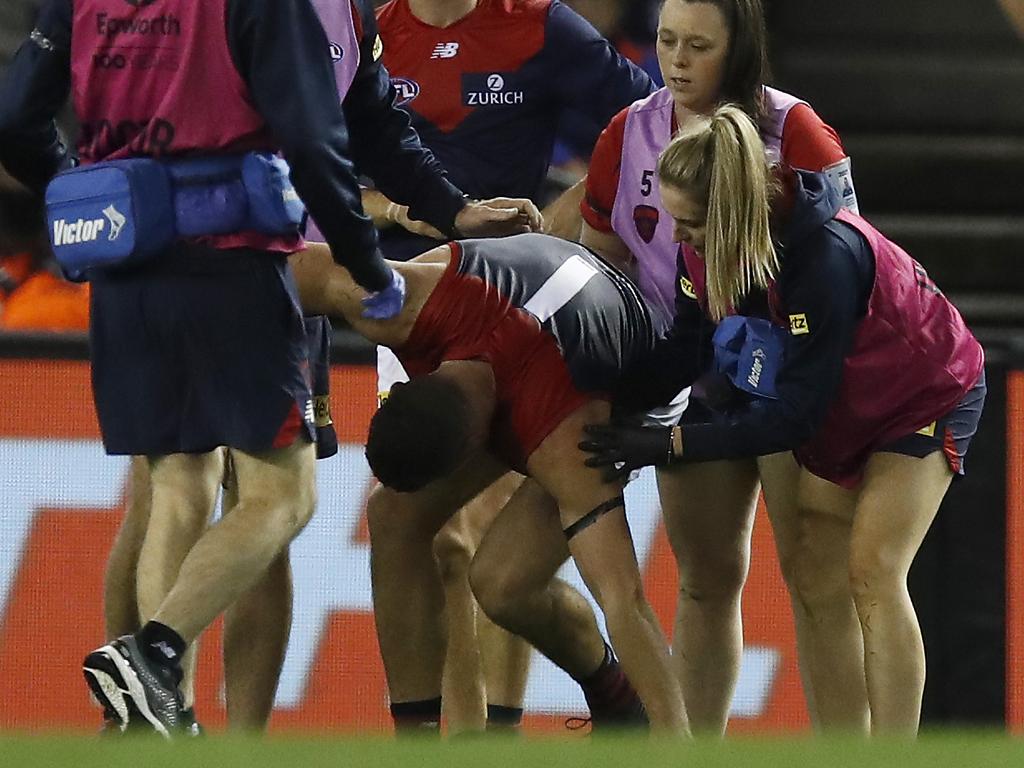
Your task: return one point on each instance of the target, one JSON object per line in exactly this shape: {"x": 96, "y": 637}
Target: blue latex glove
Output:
{"x": 386, "y": 303}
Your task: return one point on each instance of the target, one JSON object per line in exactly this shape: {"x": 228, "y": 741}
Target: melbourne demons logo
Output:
{"x": 406, "y": 89}
{"x": 645, "y": 217}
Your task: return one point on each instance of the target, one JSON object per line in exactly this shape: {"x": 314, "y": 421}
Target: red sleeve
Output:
{"x": 808, "y": 142}
{"x": 603, "y": 175}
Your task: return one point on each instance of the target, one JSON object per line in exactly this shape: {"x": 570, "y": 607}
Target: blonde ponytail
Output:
{"x": 720, "y": 161}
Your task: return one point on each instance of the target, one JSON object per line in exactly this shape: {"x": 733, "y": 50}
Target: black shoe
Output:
{"x": 614, "y": 703}
{"x": 132, "y": 690}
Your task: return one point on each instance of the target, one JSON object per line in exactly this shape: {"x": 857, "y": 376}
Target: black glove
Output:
{"x": 621, "y": 448}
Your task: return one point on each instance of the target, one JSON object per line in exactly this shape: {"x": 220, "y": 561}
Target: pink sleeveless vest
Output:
{"x": 157, "y": 80}
{"x": 912, "y": 361}
{"x": 338, "y": 23}
{"x": 336, "y": 18}
{"x": 638, "y": 217}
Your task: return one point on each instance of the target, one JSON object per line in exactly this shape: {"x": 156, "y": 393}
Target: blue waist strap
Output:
{"x": 126, "y": 211}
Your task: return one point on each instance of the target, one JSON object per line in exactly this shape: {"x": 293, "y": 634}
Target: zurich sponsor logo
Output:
{"x": 489, "y": 90}
{"x": 337, "y": 52}
{"x": 406, "y": 89}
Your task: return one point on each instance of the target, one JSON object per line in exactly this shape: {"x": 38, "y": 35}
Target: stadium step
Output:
{"x": 927, "y": 96}
{"x": 901, "y": 173}
{"x": 906, "y": 90}
{"x": 949, "y": 23}
{"x": 979, "y": 254}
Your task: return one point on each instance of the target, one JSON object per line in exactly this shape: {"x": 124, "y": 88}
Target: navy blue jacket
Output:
{"x": 828, "y": 271}
{"x": 279, "y": 49}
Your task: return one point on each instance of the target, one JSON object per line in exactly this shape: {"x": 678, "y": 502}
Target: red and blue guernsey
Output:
{"x": 557, "y": 325}
{"x": 875, "y": 351}
{"x": 486, "y": 93}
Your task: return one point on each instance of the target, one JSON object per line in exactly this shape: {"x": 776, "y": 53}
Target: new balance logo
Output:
{"x": 445, "y": 51}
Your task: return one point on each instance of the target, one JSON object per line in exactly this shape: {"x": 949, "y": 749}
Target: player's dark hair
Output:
{"x": 746, "y": 68}
{"x": 419, "y": 434}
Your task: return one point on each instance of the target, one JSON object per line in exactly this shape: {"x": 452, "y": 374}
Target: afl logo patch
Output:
{"x": 798, "y": 324}
{"x": 337, "y": 53}
{"x": 645, "y": 217}
{"x": 687, "y": 287}
{"x": 407, "y": 90}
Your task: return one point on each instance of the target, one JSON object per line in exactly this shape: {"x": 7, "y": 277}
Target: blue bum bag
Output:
{"x": 121, "y": 212}
{"x": 750, "y": 351}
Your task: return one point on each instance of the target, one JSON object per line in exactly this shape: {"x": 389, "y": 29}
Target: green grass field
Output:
{"x": 932, "y": 751}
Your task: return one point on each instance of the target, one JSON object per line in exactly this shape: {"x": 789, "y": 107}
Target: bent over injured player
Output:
{"x": 512, "y": 345}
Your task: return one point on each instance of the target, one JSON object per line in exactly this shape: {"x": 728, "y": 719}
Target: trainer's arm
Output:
{"x": 386, "y": 147}
{"x": 829, "y": 287}
{"x": 681, "y": 356}
{"x": 281, "y": 51}
{"x": 34, "y": 90}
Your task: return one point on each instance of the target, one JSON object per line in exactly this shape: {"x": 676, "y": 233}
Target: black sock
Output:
{"x": 412, "y": 717}
{"x": 595, "y": 677}
{"x": 501, "y": 718}
{"x": 162, "y": 646}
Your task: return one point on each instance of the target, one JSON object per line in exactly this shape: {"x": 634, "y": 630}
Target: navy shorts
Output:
{"x": 950, "y": 434}
{"x": 198, "y": 349}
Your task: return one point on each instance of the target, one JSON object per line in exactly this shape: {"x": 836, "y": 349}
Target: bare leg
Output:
{"x": 709, "y": 516}
{"x": 506, "y": 663}
{"x": 463, "y": 689}
{"x": 277, "y": 495}
{"x": 513, "y": 577}
{"x": 899, "y": 498}
{"x": 832, "y": 644}
{"x": 780, "y": 478}
{"x": 606, "y": 558}
{"x": 183, "y": 496}
{"x": 120, "y": 605}
{"x": 408, "y": 597}
{"x": 256, "y": 630}
{"x": 484, "y": 663}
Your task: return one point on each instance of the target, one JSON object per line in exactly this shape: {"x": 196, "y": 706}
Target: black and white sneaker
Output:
{"x": 132, "y": 690}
